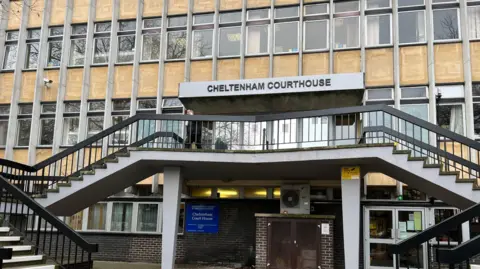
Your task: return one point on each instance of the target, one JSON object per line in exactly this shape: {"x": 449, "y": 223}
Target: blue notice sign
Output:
{"x": 202, "y": 218}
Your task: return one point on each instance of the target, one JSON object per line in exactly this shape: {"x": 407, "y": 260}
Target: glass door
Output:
{"x": 387, "y": 226}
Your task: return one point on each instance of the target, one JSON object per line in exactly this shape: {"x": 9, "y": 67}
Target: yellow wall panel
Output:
{"x": 448, "y": 63}
{"x": 35, "y": 14}
{"x": 228, "y": 69}
{"x": 50, "y": 94}
{"x": 285, "y": 66}
{"x": 73, "y": 90}
{"x": 15, "y": 14}
{"x": 257, "y": 67}
{"x": 230, "y": 4}
{"x": 98, "y": 83}
{"x": 174, "y": 74}
{"x": 43, "y": 154}
{"x": 6, "y": 88}
{"x": 315, "y": 64}
{"x": 57, "y": 16}
{"x": 128, "y": 9}
{"x": 103, "y": 10}
{"x": 475, "y": 60}
{"x": 20, "y": 155}
{"x": 177, "y": 7}
{"x": 2, "y": 153}
{"x": 379, "y": 179}
{"x": 413, "y": 65}
{"x": 285, "y": 2}
{"x": 379, "y": 67}
{"x": 28, "y": 87}
{"x": 201, "y": 70}
{"x": 258, "y": 3}
{"x": 80, "y": 11}
{"x": 346, "y": 61}
{"x": 152, "y": 8}
{"x": 312, "y": 1}
{"x": 203, "y": 5}
{"x": 148, "y": 80}
{"x": 122, "y": 85}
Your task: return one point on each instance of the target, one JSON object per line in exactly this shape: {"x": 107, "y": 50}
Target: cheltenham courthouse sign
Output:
{"x": 332, "y": 82}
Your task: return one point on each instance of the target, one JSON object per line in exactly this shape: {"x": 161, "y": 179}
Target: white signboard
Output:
{"x": 325, "y": 228}
{"x": 332, "y": 82}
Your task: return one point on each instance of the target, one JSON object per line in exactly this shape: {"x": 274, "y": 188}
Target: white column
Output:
{"x": 351, "y": 222}
{"x": 172, "y": 187}
{"x": 465, "y": 231}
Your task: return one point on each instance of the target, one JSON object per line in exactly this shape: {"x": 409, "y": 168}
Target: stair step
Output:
{"x": 10, "y": 238}
{"x": 4, "y": 229}
{"x": 111, "y": 160}
{"x": 26, "y": 258}
{"x": 64, "y": 184}
{"x": 466, "y": 180}
{"x": 99, "y": 166}
{"x": 449, "y": 173}
{"x": 19, "y": 248}
{"x": 50, "y": 266}
{"x": 403, "y": 151}
{"x": 417, "y": 159}
{"x": 79, "y": 178}
{"x": 87, "y": 172}
{"x": 122, "y": 154}
{"x": 53, "y": 190}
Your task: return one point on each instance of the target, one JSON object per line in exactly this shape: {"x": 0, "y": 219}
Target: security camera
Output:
{"x": 47, "y": 82}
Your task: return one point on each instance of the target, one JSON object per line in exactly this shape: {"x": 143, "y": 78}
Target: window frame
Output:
{"x": 71, "y": 52}
{"x": 146, "y": 109}
{"x": 304, "y": 33}
{"x": 132, "y": 51}
{"x": 65, "y": 136}
{"x": 204, "y": 14}
{"x": 409, "y": 6}
{"x": 424, "y": 27}
{"x": 346, "y": 12}
{"x": 40, "y": 131}
{"x": 459, "y": 29}
{"x": 359, "y": 34}
{"x": 378, "y": 8}
{"x": 49, "y": 55}
{"x": 366, "y": 30}
{"x": 239, "y": 47}
{"x": 425, "y": 89}
{"x": 27, "y": 55}
{"x": 464, "y": 116}
{"x": 142, "y": 47}
{"x": 17, "y": 135}
{"x": 275, "y": 33}
{"x": 316, "y": 14}
{"x": 166, "y": 47}
{"x": 268, "y": 40}
{"x": 15, "y": 44}
{"x": 146, "y": 19}
{"x": 193, "y": 44}
{"x": 107, "y": 54}
{"x": 263, "y": 19}
{"x": 380, "y": 99}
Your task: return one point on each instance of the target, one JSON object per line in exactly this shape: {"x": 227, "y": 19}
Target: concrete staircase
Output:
{"x": 123, "y": 169}
{"x": 23, "y": 254}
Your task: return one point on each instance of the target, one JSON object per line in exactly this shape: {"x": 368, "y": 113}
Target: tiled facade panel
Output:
{"x": 201, "y": 70}
{"x": 346, "y": 61}
{"x": 379, "y": 67}
{"x": 228, "y": 69}
{"x": 413, "y": 65}
{"x": 98, "y": 83}
{"x": 80, "y": 11}
{"x": 285, "y": 66}
{"x": 103, "y": 10}
{"x": 148, "y": 80}
{"x": 28, "y": 87}
{"x": 49, "y": 94}
{"x": 315, "y": 64}
{"x": 128, "y": 9}
{"x": 73, "y": 89}
{"x": 122, "y": 84}
{"x": 36, "y": 13}
{"x": 177, "y": 7}
{"x": 6, "y": 87}
{"x": 152, "y": 8}
{"x": 448, "y": 63}
{"x": 14, "y": 20}
{"x": 58, "y": 12}
{"x": 174, "y": 74}
{"x": 204, "y": 5}
{"x": 257, "y": 67}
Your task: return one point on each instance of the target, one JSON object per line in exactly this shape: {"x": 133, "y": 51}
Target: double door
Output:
{"x": 293, "y": 244}
{"x": 387, "y": 226}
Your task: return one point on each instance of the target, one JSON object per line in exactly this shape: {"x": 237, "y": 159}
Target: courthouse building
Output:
{"x": 70, "y": 69}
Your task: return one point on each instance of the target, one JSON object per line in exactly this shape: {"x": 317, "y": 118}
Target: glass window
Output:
{"x": 23, "y": 132}
{"x": 25, "y": 109}
{"x": 172, "y": 103}
{"x": 347, "y": 32}
{"x": 177, "y": 44}
{"x": 445, "y": 24}
{"x": 121, "y": 105}
{"x": 32, "y": 56}
{"x": 46, "y": 131}
{"x": 77, "y": 52}
{"x": 202, "y": 19}
{"x": 79, "y": 29}
{"x": 120, "y": 137}
{"x": 351, "y": 6}
{"x": 147, "y": 218}
{"x": 380, "y": 94}
{"x": 286, "y": 12}
{"x": 257, "y": 39}
{"x": 317, "y": 9}
{"x": 443, "y": 1}
{"x": 75, "y": 221}
{"x": 202, "y": 43}
{"x": 177, "y": 21}
{"x": 230, "y": 17}
{"x": 126, "y": 26}
{"x": 3, "y": 132}
{"x": 54, "y": 53}
{"x": 316, "y": 35}
{"x": 151, "y": 47}
{"x": 147, "y": 104}
{"x": 33, "y": 34}
{"x": 12, "y": 35}
{"x": 95, "y": 126}
{"x": 152, "y": 23}
{"x": 49, "y": 108}
{"x": 456, "y": 91}
{"x": 229, "y": 41}
{"x": 102, "y": 48}
{"x": 373, "y": 4}
{"x": 4, "y": 109}
{"x": 415, "y": 92}
{"x": 252, "y": 192}
{"x": 406, "y": 3}
{"x": 200, "y": 192}
{"x": 70, "y": 131}
{"x": 474, "y": 22}
{"x": 72, "y": 107}
{"x": 378, "y": 30}
{"x": 96, "y": 106}
{"x": 258, "y": 14}
{"x": 97, "y": 217}
{"x": 418, "y": 110}
{"x": 122, "y": 217}
{"x": 10, "y": 56}
{"x": 102, "y": 27}
{"x": 56, "y": 31}
{"x": 126, "y": 49}
{"x": 451, "y": 117}
{"x": 411, "y": 26}
{"x": 476, "y": 119}
{"x": 286, "y": 37}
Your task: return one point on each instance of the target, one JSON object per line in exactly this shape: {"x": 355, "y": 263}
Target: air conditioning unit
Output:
{"x": 295, "y": 199}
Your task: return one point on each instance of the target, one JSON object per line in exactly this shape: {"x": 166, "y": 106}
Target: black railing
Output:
{"x": 49, "y": 235}
{"x": 331, "y": 127}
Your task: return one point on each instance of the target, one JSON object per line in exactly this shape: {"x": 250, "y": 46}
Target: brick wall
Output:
{"x": 261, "y": 243}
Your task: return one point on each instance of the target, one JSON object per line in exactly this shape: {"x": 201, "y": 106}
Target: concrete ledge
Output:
{"x": 141, "y": 265}
{"x": 294, "y": 216}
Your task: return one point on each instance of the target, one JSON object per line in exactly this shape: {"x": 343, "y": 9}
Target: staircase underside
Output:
{"x": 286, "y": 165}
